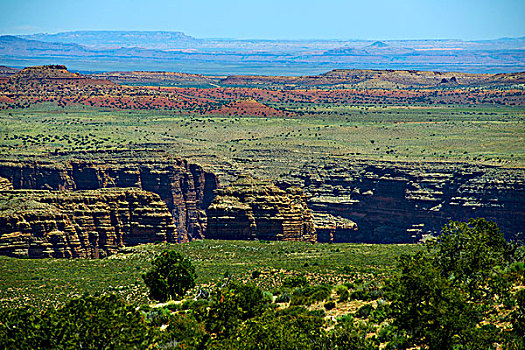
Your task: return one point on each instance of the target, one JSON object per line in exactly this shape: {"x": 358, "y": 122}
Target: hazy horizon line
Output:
{"x": 264, "y": 39}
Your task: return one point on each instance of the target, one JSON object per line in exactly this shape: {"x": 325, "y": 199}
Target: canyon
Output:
{"x": 186, "y": 188}
{"x": 400, "y": 202}
{"x": 84, "y": 207}
{"x": 325, "y": 146}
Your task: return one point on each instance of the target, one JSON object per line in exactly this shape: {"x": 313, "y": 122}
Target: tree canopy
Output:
{"x": 443, "y": 297}
{"x": 170, "y": 276}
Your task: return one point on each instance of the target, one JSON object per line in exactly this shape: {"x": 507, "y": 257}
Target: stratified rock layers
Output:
{"x": 254, "y": 209}
{"x": 394, "y": 202}
{"x": 80, "y": 224}
{"x": 186, "y": 188}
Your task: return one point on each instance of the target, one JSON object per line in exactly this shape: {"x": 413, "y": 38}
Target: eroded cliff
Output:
{"x": 80, "y": 224}
{"x": 186, "y": 188}
{"x": 255, "y": 209}
{"x": 400, "y": 201}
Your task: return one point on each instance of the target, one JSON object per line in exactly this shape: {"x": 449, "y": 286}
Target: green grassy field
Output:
{"x": 44, "y": 282}
{"x": 273, "y": 146}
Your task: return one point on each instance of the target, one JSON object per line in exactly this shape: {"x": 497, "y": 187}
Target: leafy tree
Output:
{"x": 170, "y": 277}
{"x": 22, "y": 329}
{"x": 471, "y": 254}
{"x": 443, "y": 297}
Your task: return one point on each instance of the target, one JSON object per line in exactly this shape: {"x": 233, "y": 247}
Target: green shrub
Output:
{"x": 349, "y": 335}
{"x": 283, "y": 298}
{"x": 321, "y": 292}
{"x": 156, "y": 317}
{"x": 289, "y": 329}
{"x": 104, "y": 322}
{"x": 341, "y": 288}
{"x": 310, "y": 294}
{"x": 515, "y": 337}
{"x": 267, "y": 297}
{"x": 342, "y": 292}
{"x": 394, "y": 338}
{"x": 379, "y": 314}
{"x": 444, "y": 298}
{"x": 295, "y": 281}
{"x": 300, "y": 299}
{"x": 367, "y": 291}
{"x": 365, "y": 310}
{"x": 183, "y": 332}
{"x": 232, "y": 305}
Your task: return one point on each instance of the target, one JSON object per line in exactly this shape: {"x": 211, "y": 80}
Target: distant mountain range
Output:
{"x": 177, "y": 52}
{"x": 116, "y": 39}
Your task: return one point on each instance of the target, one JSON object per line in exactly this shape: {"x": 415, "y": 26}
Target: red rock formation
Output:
{"x": 247, "y": 107}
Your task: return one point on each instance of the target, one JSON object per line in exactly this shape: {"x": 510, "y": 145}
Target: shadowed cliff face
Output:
{"x": 185, "y": 188}
{"x": 254, "y": 209}
{"x": 400, "y": 201}
{"x": 80, "y": 224}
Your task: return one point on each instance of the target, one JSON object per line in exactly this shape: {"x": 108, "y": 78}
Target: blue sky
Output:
{"x": 274, "y": 19}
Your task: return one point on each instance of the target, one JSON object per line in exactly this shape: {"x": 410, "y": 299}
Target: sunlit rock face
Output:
{"x": 186, "y": 188}
{"x": 80, "y": 224}
{"x": 255, "y": 209}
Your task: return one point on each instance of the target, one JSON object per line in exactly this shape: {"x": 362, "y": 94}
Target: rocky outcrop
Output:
{"x": 400, "y": 201}
{"x": 185, "y": 188}
{"x": 333, "y": 229}
{"x": 5, "y": 184}
{"x": 53, "y": 74}
{"x": 254, "y": 209}
{"x": 142, "y": 77}
{"x": 80, "y": 224}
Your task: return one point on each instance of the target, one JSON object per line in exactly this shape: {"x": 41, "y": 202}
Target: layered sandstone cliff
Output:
{"x": 80, "y": 224}
{"x": 254, "y": 209}
{"x": 334, "y": 229}
{"x": 401, "y": 201}
{"x": 185, "y": 188}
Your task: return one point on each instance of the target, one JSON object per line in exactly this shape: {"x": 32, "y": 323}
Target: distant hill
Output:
{"x": 377, "y": 48}
{"x": 247, "y": 106}
{"x": 7, "y": 71}
{"x": 334, "y": 79}
{"x": 20, "y": 47}
{"x": 369, "y": 78}
{"x": 102, "y": 51}
{"x": 15, "y": 46}
{"x": 56, "y": 76}
{"x": 378, "y": 44}
{"x": 154, "y": 78}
